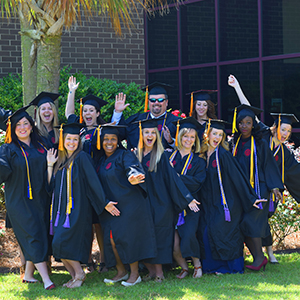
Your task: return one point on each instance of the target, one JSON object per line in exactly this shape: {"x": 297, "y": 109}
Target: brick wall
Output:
{"x": 91, "y": 47}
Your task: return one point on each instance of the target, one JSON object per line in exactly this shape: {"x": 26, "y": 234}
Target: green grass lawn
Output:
{"x": 277, "y": 282}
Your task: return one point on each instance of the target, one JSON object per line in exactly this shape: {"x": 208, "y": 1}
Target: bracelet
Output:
{"x": 70, "y": 92}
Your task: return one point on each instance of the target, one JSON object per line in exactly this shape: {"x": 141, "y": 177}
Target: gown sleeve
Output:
{"x": 5, "y": 167}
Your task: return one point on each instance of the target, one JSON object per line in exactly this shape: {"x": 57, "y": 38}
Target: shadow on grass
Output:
{"x": 277, "y": 282}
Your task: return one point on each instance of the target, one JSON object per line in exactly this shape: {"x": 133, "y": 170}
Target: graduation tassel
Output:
{"x": 227, "y": 214}
{"x": 180, "y": 219}
{"x": 278, "y": 128}
{"x": 206, "y": 132}
{"x": 51, "y": 215}
{"x": 67, "y": 222}
{"x": 80, "y": 112}
{"x": 61, "y": 139}
{"x": 8, "y": 138}
{"x": 146, "y": 100}
{"x": 177, "y": 131}
{"x": 141, "y": 136}
{"x": 59, "y": 201}
{"x": 98, "y": 138}
{"x": 271, "y": 203}
{"x": 234, "y": 129}
{"x": 69, "y": 196}
{"x": 192, "y": 103}
{"x": 252, "y": 162}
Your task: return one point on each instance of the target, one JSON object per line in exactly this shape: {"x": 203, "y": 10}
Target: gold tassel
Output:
{"x": 177, "y": 131}
{"x": 61, "y": 139}
{"x": 234, "y": 129}
{"x": 80, "y": 114}
{"x": 141, "y": 144}
{"x": 192, "y": 103}
{"x": 252, "y": 162}
{"x": 278, "y": 128}
{"x": 8, "y": 138}
{"x": 146, "y": 100}
{"x": 98, "y": 138}
{"x": 206, "y": 132}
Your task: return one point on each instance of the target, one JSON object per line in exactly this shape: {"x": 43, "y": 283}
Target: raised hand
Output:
{"x": 232, "y": 81}
{"x": 51, "y": 157}
{"x": 72, "y": 84}
{"x": 193, "y": 205}
{"x": 120, "y": 103}
{"x": 136, "y": 179}
{"x": 110, "y": 207}
{"x": 167, "y": 135}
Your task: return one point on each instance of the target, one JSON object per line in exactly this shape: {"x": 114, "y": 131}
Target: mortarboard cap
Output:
{"x": 44, "y": 97}
{"x": 92, "y": 100}
{"x": 285, "y": 118}
{"x": 218, "y": 124}
{"x": 200, "y": 95}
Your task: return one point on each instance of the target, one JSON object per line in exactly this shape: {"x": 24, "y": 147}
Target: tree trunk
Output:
{"x": 48, "y": 64}
{"x": 29, "y": 75}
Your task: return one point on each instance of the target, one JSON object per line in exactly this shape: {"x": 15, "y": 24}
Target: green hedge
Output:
{"x": 11, "y": 93}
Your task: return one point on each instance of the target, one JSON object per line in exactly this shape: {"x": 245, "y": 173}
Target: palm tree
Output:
{"x": 42, "y": 23}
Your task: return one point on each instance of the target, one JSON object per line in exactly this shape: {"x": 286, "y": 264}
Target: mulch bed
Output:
{"x": 10, "y": 261}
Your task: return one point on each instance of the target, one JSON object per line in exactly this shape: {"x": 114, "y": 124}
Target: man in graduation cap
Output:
{"x": 158, "y": 103}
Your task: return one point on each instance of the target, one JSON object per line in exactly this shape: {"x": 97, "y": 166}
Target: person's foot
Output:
{"x": 183, "y": 273}
{"x": 133, "y": 278}
{"x": 117, "y": 278}
{"x": 197, "y": 272}
{"x": 159, "y": 279}
{"x": 258, "y": 261}
{"x": 68, "y": 283}
{"x": 148, "y": 277}
{"x": 272, "y": 258}
{"x": 77, "y": 281}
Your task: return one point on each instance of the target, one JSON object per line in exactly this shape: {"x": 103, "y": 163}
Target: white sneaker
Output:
{"x": 106, "y": 280}
{"x": 124, "y": 283}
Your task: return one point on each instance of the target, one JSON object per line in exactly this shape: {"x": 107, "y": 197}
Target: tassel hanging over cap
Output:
{"x": 278, "y": 128}
{"x": 98, "y": 138}
{"x": 61, "y": 140}
{"x": 234, "y": 129}
{"x": 8, "y": 138}
{"x": 146, "y": 100}
{"x": 140, "y": 136}
{"x": 80, "y": 114}
{"x": 177, "y": 132}
{"x": 206, "y": 132}
{"x": 191, "y": 104}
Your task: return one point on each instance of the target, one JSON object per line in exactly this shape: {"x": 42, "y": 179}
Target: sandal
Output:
{"x": 159, "y": 279}
{"x": 67, "y": 283}
{"x": 51, "y": 287}
{"x": 183, "y": 271}
{"x": 28, "y": 281}
{"x": 78, "y": 279}
{"x": 196, "y": 272}
{"x": 22, "y": 272}
{"x": 148, "y": 277}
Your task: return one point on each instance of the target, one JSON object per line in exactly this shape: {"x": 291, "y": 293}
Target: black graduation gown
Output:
{"x": 74, "y": 243}
{"x": 50, "y": 140}
{"x": 131, "y": 133}
{"x": 168, "y": 197}
{"x": 255, "y": 222}
{"x": 133, "y": 230}
{"x": 193, "y": 180}
{"x": 29, "y": 218}
{"x": 225, "y": 238}
{"x": 4, "y": 114}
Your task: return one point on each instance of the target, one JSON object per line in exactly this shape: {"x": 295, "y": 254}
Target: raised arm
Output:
{"x": 70, "y": 107}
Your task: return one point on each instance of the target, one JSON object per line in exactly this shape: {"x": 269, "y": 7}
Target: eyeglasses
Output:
{"x": 159, "y": 100}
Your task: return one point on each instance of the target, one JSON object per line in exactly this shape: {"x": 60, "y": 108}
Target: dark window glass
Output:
{"x": 172, "y": 79}
{"x": 238, "y": 29}
{"x": 281, "y": 87}
{"x": 198, "y": 79}
{"x": 281, "y": 27}
{"x": 248, "y": 77}
{"x": 162, "y": 40}
{"x": 198, "y": 38}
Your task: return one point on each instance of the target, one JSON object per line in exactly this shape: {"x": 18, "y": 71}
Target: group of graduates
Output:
{"x": 178, "y": 191}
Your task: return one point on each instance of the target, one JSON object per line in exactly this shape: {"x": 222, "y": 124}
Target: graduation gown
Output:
{"x": 4, "y": 114}
{"x": 168, "y": 197}
{"x": 133, "y": 230}
{"x": 225, "y": 238}
{"x": 29, "y": 217}
{"x": 255, "y": 222}
{"x": 193, "y": 180}
{"x": 131, "y": 133}
{"x": 74, "y": 243}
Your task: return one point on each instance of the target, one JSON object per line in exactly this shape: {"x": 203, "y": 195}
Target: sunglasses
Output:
{"x": 159, "y": 100}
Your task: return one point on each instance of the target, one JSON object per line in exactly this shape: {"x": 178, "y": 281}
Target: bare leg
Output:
{"x": 90, "y": 265}
{"x": 272, "y": 258}
{"x": 43, "y": 270}
{"x": 120, "y": 267}
{"x": 151, "y": 269}
{"x": 134, "y": 272}
{"x": 197, "y": 267}
{"x": 159, "y": 271}
{"x": 79, "y": 273}
{"x": 29, "y": 271}
{"x": 99, "y": 236}
{"x": 178, "y": 257}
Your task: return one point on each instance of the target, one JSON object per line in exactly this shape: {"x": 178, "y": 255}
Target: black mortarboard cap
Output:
{"x": 244, "y": 110}
{"x": 157, "y": 88}
{"x": 18, "y": 115}
{"x": 285, "y": 118}
{"x": 202, "y": 95}
{"x": 44, "y": 97}
{"x": 93, "y": 100}
{"x": 189, "y": 122}
{"x": 149, "y": 123}
{"x": 111, "y": 129}
{"x": 218, "y": 124}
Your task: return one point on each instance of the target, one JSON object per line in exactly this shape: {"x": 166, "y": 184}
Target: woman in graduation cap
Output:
{"x": 76, "y": 190}
{"x": 23, "y": 168}
{"x": 129, "y": 238}
{"x": 276, "y": 136}
{"x": 90, "y": 116}
{"x": 192, "y": 171}
{"x": 46, "y": 117}
{"x": 253, "y": 154}
{"x": 167, "y": 194}
{"x": 225, "y": 196}
{"x": 202, "y": 108}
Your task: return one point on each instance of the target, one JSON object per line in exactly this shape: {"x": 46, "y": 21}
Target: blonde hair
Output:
{"x": 63, "y": 160}
{"x": 156, "y": 152}
{"x": 182, "y": 132}
{"x": 42, "y": 128}
{"x": 204, "y": 144}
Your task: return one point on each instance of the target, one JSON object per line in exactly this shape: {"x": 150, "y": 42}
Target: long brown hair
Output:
{"x": 156, "y": 153}
{"x": 211, "y": 112}
{"x": 63, "y": 160}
